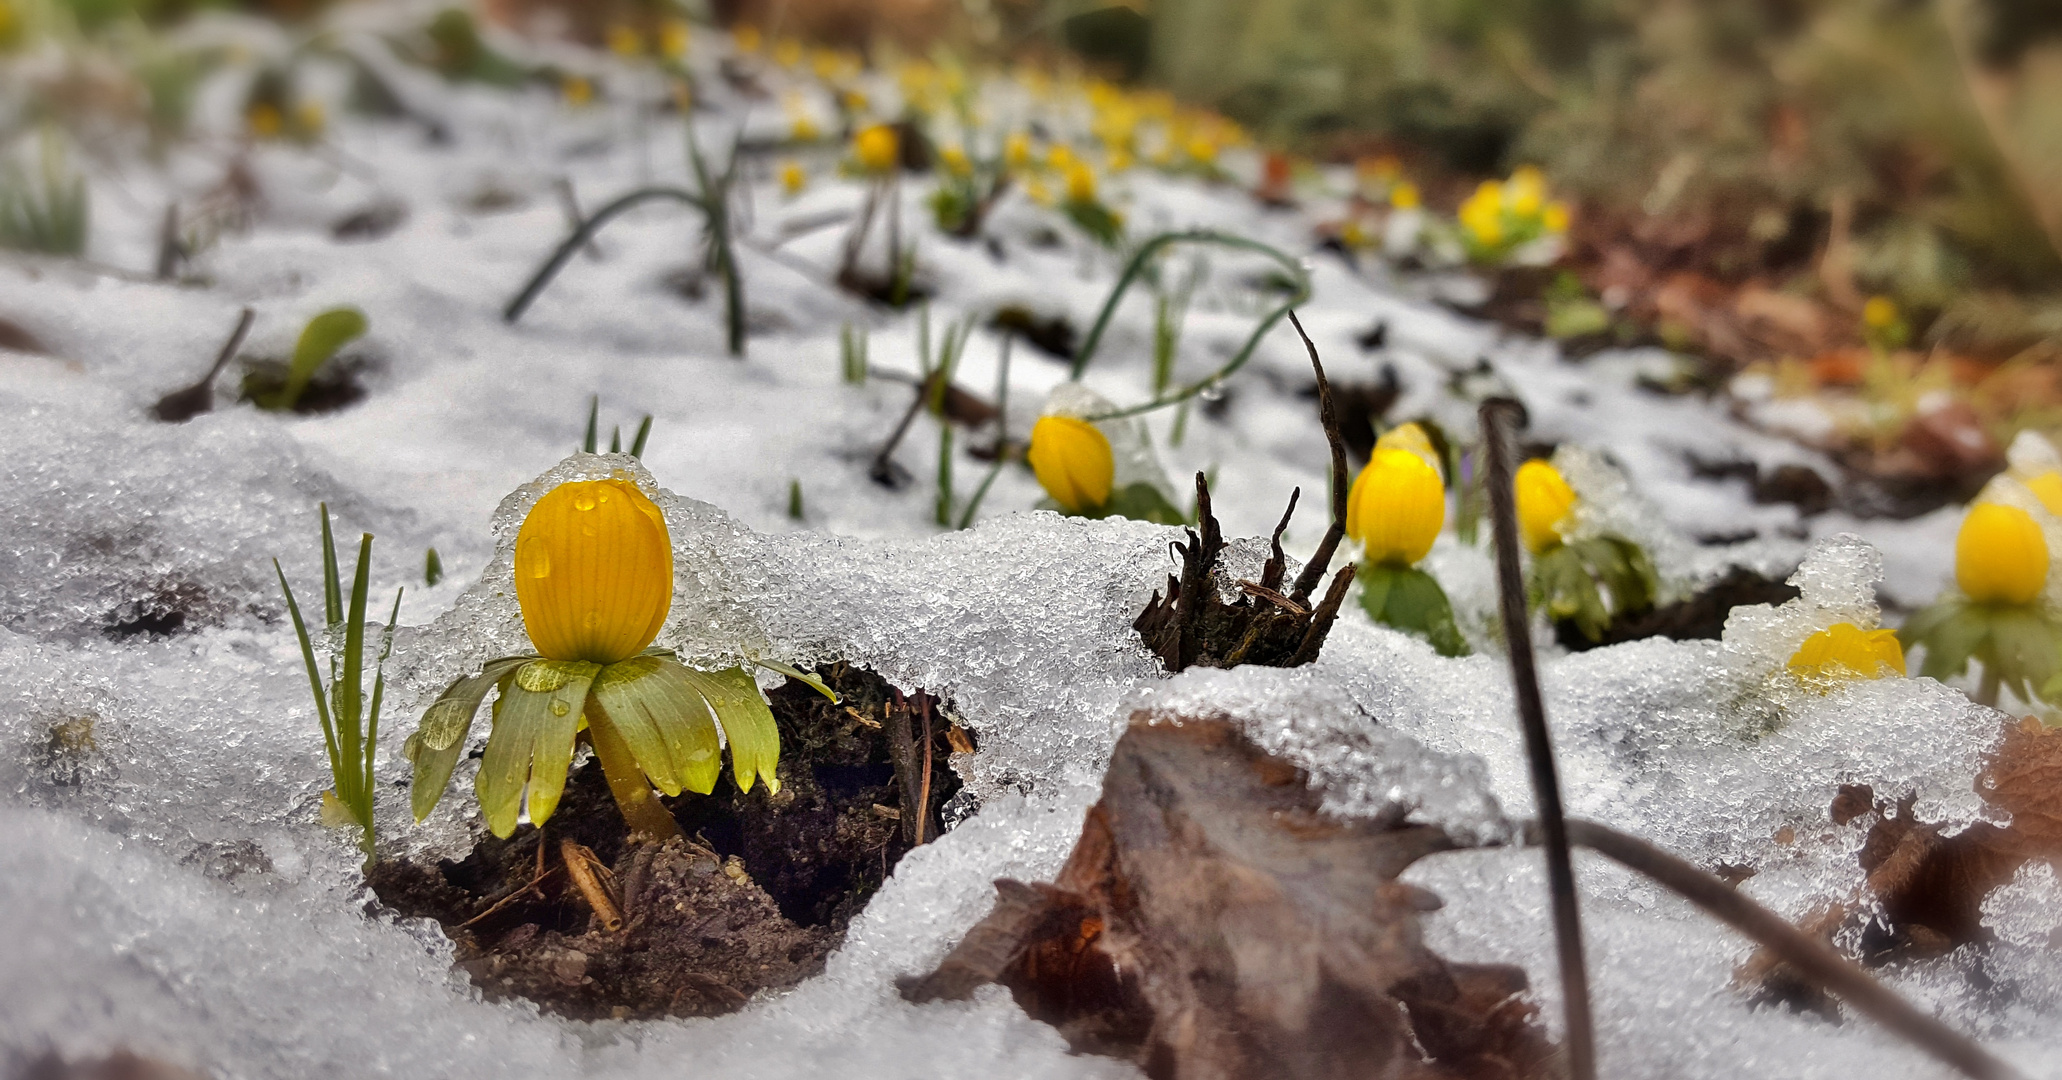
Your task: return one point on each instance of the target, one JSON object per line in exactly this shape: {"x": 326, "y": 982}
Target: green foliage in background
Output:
{"x": 1737, "y": 130}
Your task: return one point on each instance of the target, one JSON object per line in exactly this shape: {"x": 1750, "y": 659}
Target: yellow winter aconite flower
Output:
{"x": 1059, "y": 158}
{"x": 1073, "y": 462}
{"x": 576, "y": 90}
{"x": 625, "y": 40}
{"x": 594, "y": 571}
{"x": 1405, "y": 196}
{"x": 804, "y": 129}
{"x": 792, "y": 178}
{"x": 877, "y": 148}
{"x": 1080, "y": 183}
{"x": 1016, "y": 150}
{"x": 1555, "y": 217}
{"x": 1847, "y": 650}
{"x": 2047, "y": 487}
{"x": 1544, "y": 501}
{"x": 1879, "y": 312}
{"x": 955, "y": 161}
{"x": 1526, "y": 192}
{"x": 1396, "y": 507}
{"x": 1202, "y": 148}
{"x": 264, "y": 120}
{"x": 674, "y": 35}
{"x": 2000, "y": 555}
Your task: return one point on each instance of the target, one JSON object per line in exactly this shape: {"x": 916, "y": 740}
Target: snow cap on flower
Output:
{"x": 1412, "y": 437}
{"x": 2000, "y": 555}
{"x": 1396, "y": 507}
{"x": 594, "y": 571}
{"x": 1073, "y": 462}
{"x": 1544, "y": 503}
{"x": 1844, "y": 650}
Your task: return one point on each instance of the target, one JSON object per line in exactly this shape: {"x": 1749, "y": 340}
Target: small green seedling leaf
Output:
{"x": 800, "y": 676}
{"x": 321, "y": 339}
{"x": 432, "y": 568}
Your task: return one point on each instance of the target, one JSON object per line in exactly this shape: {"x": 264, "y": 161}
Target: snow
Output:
{"x": 165, "y": 881}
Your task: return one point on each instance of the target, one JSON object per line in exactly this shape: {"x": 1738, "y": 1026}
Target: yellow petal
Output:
{"x": 2000, "y": 555}
{"x": 2047, "y": 487}
{"x": 877, "y": 148}
{"x": 1544, "y": 501}
{"x": 594, "y": 571}
{"x": 1073, "y": 462}
{"x": 1844, "y": 650}
{"x": 1080, "y": 183}
{"x": 1396, "y": 507}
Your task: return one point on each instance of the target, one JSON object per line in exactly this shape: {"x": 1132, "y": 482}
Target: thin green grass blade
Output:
{"x": 616, "y": 439}
{"x": 350, "y": 718}
{"x": 332, "y": 590}
{"x": 329, "y": 737}
{"x": 644, "y": 431}
{"x": 593, "y": 414}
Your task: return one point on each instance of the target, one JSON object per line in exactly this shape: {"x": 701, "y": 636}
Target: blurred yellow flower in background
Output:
{"x": 1544, "y": 502}
{"x": 877, "y": 148}
{"x": 1073, "y": 462}
{"x": 2000, "y": 555}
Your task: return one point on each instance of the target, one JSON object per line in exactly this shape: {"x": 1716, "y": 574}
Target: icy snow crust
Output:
{"x": 166, "y": 886}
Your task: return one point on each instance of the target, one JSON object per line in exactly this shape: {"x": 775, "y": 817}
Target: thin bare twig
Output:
{"x": 1498, "y": 416}
{"x": 182, "y": 405}
{"x": 1810, "y": 956}
{"x": 586, "y": 872}
{"x": 1328, "y": 415}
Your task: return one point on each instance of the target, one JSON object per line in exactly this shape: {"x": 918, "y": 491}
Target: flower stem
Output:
{"x": 634, "y": 796}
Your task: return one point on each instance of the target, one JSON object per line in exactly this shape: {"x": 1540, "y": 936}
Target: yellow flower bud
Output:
{"x": 1080, "y": 183}
{"x": 1844, "y": 650}
{"x": 878, "y": 148}
{"x": 594, "y": 571}
{"x": 1879, "y": 312}
{"x": 1073, "y": 462}
{"x": 625, "y": 40}
{"x": 1404, "y": 196}
{"x": 674, "y": 35}
{"x": 264, "y": 120}
{"x": 1544, "y": 502}
{"x": 1396, "y": 507}
{"x": 1016, "y": 150}
{"x": 792, "y": 178}
{"x": 955, "y": 161}
{"x": 576, "y": 90}
{"x": 1202, "y": 149}
{"x": 2000, "y": 555}
{"x": 1059, "y": 158}
{"x": 805, "y": 129}
{"x": 1526, "y": 192}
{"x": 1555, "y": 217}
{"x": 2047, "y": 487}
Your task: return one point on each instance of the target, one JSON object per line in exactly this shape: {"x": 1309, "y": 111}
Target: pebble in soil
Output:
{"x": 756, "y": 897}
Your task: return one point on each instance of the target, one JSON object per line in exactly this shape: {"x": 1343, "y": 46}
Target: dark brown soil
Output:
{"x": 1701, "y": 616}
{"x": 756, "y": 899}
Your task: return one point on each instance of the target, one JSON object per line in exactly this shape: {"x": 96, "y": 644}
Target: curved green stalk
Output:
{"x": 586, "y": 232}
{"x": 1137, "y": 266}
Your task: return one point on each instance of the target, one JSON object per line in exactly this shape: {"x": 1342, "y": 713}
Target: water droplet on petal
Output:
{"x": 583, "y": 501}
{"x": 559, "y": 707}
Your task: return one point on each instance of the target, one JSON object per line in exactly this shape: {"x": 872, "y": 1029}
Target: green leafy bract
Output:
{"x": 747, "y": 724}
{"x": 1566, "y": 577}
{"x": 2019, "y": 646}
{"x": 664, "y": 718}
{"x": 532, "y": 742}
{"x": 440, "y": 739}
{"x": 1409, "y": 599}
